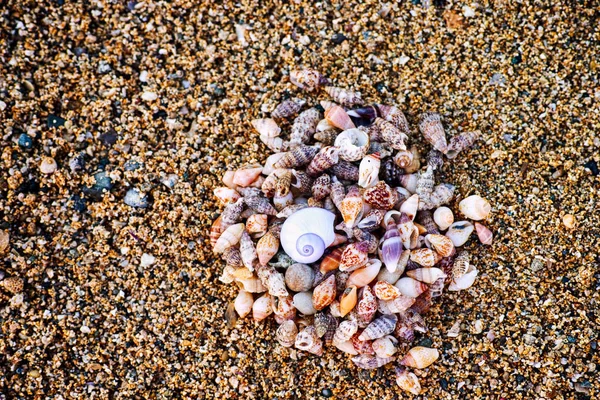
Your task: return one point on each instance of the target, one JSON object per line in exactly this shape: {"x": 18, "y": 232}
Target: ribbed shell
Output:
{"x": 379, "y": 327}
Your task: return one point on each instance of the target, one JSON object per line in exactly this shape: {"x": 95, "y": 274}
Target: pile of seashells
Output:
{"x": 360, "y": 223}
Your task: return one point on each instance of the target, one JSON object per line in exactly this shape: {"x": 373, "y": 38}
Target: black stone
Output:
{"x": 520, "y": 378}
{"x": 326, "y": 393}
{"x": 54, "y": 121}
{"x": 78, "y": 203}
{"x": 109, "y": 138}
{"x": 30, "y": 186}
{"x": 592, "y": 166}
{"x": 516, "y": 59}
{"x": 338, "y": 38}
{"x": 444, "y": 384}
{"x": 162, "y": 114}
{"x": 25, "y": 141}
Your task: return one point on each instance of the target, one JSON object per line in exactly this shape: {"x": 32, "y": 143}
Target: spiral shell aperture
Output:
{"x": 306, "y": 234}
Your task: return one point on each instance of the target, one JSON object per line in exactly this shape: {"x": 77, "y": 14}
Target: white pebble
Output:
{"x": 144, "y": 76}
{"x": 403, "y": 59}
{"x": 2, "y": 105}
{"x": 149, "y": 96}
{"x": 84, "y": 329}
{"x": 147, "y": 259}
{"x": 468, "y": 12}
{"x": 48, "y": 165}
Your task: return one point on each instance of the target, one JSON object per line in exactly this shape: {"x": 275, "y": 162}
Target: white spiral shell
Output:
{"x": 307, "y": 233}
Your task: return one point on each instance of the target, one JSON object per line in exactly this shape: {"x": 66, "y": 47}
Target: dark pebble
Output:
{"x": 25, "y": 141}
{"x": 520, "y": 378}
{"x": 132, "y": 165}
{"x": 326, "y": 393}
{"x": 571, "y": 339}
{"x": 30, "y": 186}
{"x": 55, "y": 121}
{"x": 109, "y": 138}
{"x": 338, "y": 38}
{"x": 162, "y": 114}
{"x": 78, "y": 203}
{"x": 444, "y": 384}
{"x": 592, "y": 166}
{"x": 425, "y": 342}
{"x": 516, "y": 59}
{"x": 380, "y": 87}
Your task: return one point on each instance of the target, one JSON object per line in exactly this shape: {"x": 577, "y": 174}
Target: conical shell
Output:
{"x": 298, "y": 157}
{"x": 354, "y": 256}
{"x": 484, "y": 234}
{"x": 307, "y": 340}
{"x": 286, "y": 333}
{"x": 288, "y": 108}
{"x": 338, "y": 117}
{"x": 420, "y": 357}
{"x": 460, "y": 265}
{"x": 366, "y": 361}
{"x": 303, "y": 303}
{"x": 398, "y": 304}
{"x": 410, "y": 287}
{"x": 443, "y": 218}
{"x": 386, "y": 291}
{"x": 283, "y": 308}
{"x": 256, "y": 225}
{"x": 427, "y": 275}
{"x": 324, "y": 293}
{"x": 348, "y": 300}
{"x": 307, "y": 233}
{"x": 215, "y": 231}
{"x": 344, "y": 331}
{"x": 230, "y": 237}
{"x": 410, "y": 206}
{"x": 262, "y": 307}
{"x": 232, "y": 213}
{"x": 272, "y": 280}
{"x": 362, "y": 347}
{"x": 379, "y": 327}
{"x": 363, "y": 276}
{"x": 433, "y": 131}
{"x": 266, "y": 248}
{"x": 385, "y": 347}
{"x": 247, "y": 251}
{"x": 226, "y": 195}
{"x": 425, "y": 184}
{"x": 368, "y": 174}
{"x": 305, "y": 125}
{"x": 245, "y": 176}
{"x": 443, "y": 245}
{"x": 390, "y": 134}
{"x": 465, "y": 281}
{"x": 299, "y": 277}
{"x": 395, "y": 116}
{"x": 266, "y": 127}
{"x": 423, "y": 302}
{"x": 408, "y": 381}
{"x": 462, "y": 142}
{"x": 366, "y": 307}
{"x": 475, "y": 207}
{"x": 381, "y": 196}
{"x": 351, "y": 207}
{"x": 243, "y": 303}
{"x": 261, "y": 205}
{"x": 321, "y": 187}
{"x": 459, "y": 232}
{"x": 269, "y": 167}
{"x": 325, "y": 159}
{"x": 326, "y": 136}
{"x": 252, "y": 285}
{"x": 331, "y": 261}
{"x": 353, "y": 144}
{"x": 347, "y": 347}
{"x": 344, "y": 97}
{"x": 307, "y": 79}
{"x": 425, "y": 257}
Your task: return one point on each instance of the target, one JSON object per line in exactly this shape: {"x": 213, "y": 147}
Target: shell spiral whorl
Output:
{"x": 310, "y": 244}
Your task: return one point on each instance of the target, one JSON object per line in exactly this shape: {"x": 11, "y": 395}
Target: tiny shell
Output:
{"x": 324, "y": 293}
{"x": 465, "y": 281}
{"x": 363, "y": 276}
{"x": 344, "y": 97}
{"x": 252, "y": 285}
{"x": 410, "y": 206}
{"x": 443, "y": 245}
{"x": 379, "y": 327}
{"x": 420, "y": 357}
{"x": 475, "y": 207}
{"x": 410, "y": 287}
{"x": 484, "y": 234}
{"x": 345, "y": 331}
{"x": 272, "y": 280}
{"x": 462, "y": 142}
{"x": 321, "y": 187}
{"x": 385, "y": 291}
{"x": 303, "y": 303}
{"x": 286, "y": 333}
{"x": 338, "y": 117}
{"x": 243, "y": 303}
{"x": 268, "y": 168}
{"x": 297, "y": 157}
{"x": 262, "y": 307}
{"x": 325, "y": 159}
{"x": 408, "y": 381}
{"x": 256, "y": 225}
{"x": 385, "y": 347}
{"x": 353, "y": 144}
{"x": 460, "y": 265}
{"x": 399, "y": 304}
{"x": 266, "y": 248}
{"x": 351, "y": 207}
{"x": 443, "y": 217}
{"x": 226, "y": 195}
{"x": 299, "y": 277}
{"x": 327, "y": 137}
{"x": 307, "y": 340}
{"x": 425, "y": 257}
{"x": 366, "y": 361}
{"x": 288, "y": 108}
{"x": 395, "y": 116}
{"x": 232, "y": 212}
{"x": 307, "y": 79}
{"x": 427, "y": 275}
{"x": 459, "y": 232}
{"x": 381, "y": 196}
{"x": 247, "y": 251}
{"x": 403, "y": 158}
{"x": 304, "y": 126}
{"x": 216, "y": 230}
{"x": 433, "y": 131}
{"x": 390, "y": 134}
{"x": 355, "y": 255}
{"x": 425, "y": 184}
{"x": 368, "y": 174}
{"x": 331, "y": 261}
{"x": 348, "y": 300}
{"x": 346, "y": 347}
{"x": 245, "y": 176}
{"x": 266, "y": 127}
{"x": 230, "y": 237}
{"x": 390, "y": 172}
{"x": 283, "y": 308}
{"x": 346, "y": 171}
{"x": 366, "y": 307}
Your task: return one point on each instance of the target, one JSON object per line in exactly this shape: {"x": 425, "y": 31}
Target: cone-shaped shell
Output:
{"x": 344, "y": 97}
{"x": 307, "y": 233}
{"x": 331, "y": 261}
{"x": 363, "y": 276}
{"x": 366, "y": 361}
{"x": 443, "y": 245}
{"x": 307, "y": 340}
{"x": 379, "y": 327}
{"x": 338, "y": 117}
{"x": 348, "y": 300}
{"x": 324, "y": 293}
{"x": 353, "y": 144}
{"x": 460, "y": 265}
{"x": 215, "y": 231}
{"x": 354, "y": 256}
{"x": 385, "y": 347}
{"x": 288, "y": 108}
{"x": 243, "y": 303}
{"x": 459, "y": 232}
{"x": 425, "y": 257}
{"x": 475, "y": 207}
{"x": 245, "y": 176}
{"x": 347, "y": 347}
{"x": 465, "y": 281}
{"x": 326, "y": 158}
{"x": 433, "y": 131}
{"x": 286, "y": 333}
{"x": 230, "y": 237}
{"x": 410, "y": 206}
{"x": 427, "y": 275}
{"x": 368, "y": 171}
{"x": 266, "y": 127}
{"x": 366, "y": 307}
{"x": 307, "y": 79}
{"x": 226, "y": 195}
{"x": 283, "y": 308}
{"x": 420, "y": 357}
{"x": 443, "y": 217}
{"x": 256, "y": 225}
{"x": 266, "y": 248}
{"x": 386, "y": 291}
{"x": 262, "y": 307}
{"x": 408, "y": 381}
{"x": 381, "y": 196}
{"x": 484, "y": 234}
{"x": 410, "y": 287}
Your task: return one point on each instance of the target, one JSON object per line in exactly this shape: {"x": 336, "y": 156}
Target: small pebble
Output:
{"x": 144, "y": 76}
{"x": 170, "y": 180}
{"x": 147, "y": 259}
{"x": 48, "y": 165}
{"x": 149, "y": 96}
{"x": 4, "y": 240}
{"x": 569, "y": 221}
{"x": 54, "y": 121}
{"x": 25, "y": 141}
{"x": 135, "y": 198}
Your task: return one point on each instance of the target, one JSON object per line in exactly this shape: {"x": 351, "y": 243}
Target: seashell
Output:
{"x": 427, "y": 275}
{"x": 334, "y": 309}
{"x": 307, "y": 340}
{"x": 324, "y": 293}
{"x": 227, "y": 274}
{"x": 283, "y": 195}
{"x": 465, "y": 281}
{"x": 230, "y": 237}
{"x": 443, "y": 217}
{"x": 270, "y": 183}
{"x": 344, "y": 97}
{"x": 275, "y": 227}
{"x": 298, "y": 157}
{"x": 459, "y": 232}
{"x": 346, "y": 171}
{"x": 307, "y": 79}
{"x": 408, "y": 231}
{"x": 425, "y": 257}
{"x": 348, "y": 300}
{"x": 347, "y": 347}
{"x": 410, "y": 287}
{"x": 385, "y": 347}
{"x": 443, "y": 245}
{"x": 231, "y": 214}
{"x": 228, "y": 179}
{"x": 381, "y": 196}
{"x": 338, "y": 117}
{"x": 390, "y": 172}
{"x": 282, "y": 261}
{"x": 420, "y": 357}
{"x": 379, "y": 327}
{"x": 399, "y": 304}
{"x": 325, "y": 159}
{"x": 371, "y": 220}
{"x": 247, "y": 213}
{"x": 423, "y": 303}
{"x": 243, "y": 303}
{"x": 395, "y": 116}
{"x": 266, "y": 248}
{"x": 251, "y": 285}
{"x": 390, "y": 134}
{"x": 247, "y": 251}
{"x": 435, "y": 159}
{"x": 345, "y": 330}
{"x": 415, "y": 165}
{"x": 409, "y": 182}
{"x": 404, "y": 331}
{"x": 261, "y": 205}
{"x": 288, "y": 108}
{"x": 410, "y": 206}
{"x": 385, "y": 291}
{"x": 258, "y": 182}
{"x": 354, "y": 256}
{"x": 353, "y": 144}
{"x": 272, "y": 280}
{"x": 286, "y": 333}
{"x": 248, "y": 192}
{"x": 299, "y": 277}
{"x": 268, "y": 168}
{"x": 262, "y": 307}
{"x": 475, "y": 207}
{"x": 484, "y": 234}
{"x": 283, "y": 308}
{"x": 351, "y": 207}
{"x": 305, "y": 125}
{"x": 216, "y": 230}
{"x": 338, "y": 193}
{"x": 403, "y": 158}
{"x": 366, "y": 307}
{"x": 233, "y": 257}
{"x": 289, "y": 210}
{"x": 437, "y": 288}
{"x": 425, "y": 218}
{"x": 303, "y": 303}
{"x": 326, "y": 136}
{"x": 392, "y": 277}
{"x": 408, "y": 381}
{"x": 368, "y": 174}
{"x": 331, "y": 261}
{"x": 362, "y": 347}
{"x": 363, "y": 276}
{"x": 231, "y": 316}
{"x": 391, "y": 247}
{"x": 460, "y": 265}
{"x": 266, "y": 127}
{"x": 321, "y": 187}
{"x": 329, "y": 206}
{"x": 362, "y": 236}
{"x": 366, "y": 361}
{"x": 425, "y": 184}
{"x": 322, "y": 321}
{"x": 307, "y": 233}
{"x": 301, "y": 181}
{"x": 245, "y": 176}
{"x": 363, "y": 116}
{"x": 226, "y": 195}
{"x": 433, "y": 131}
{"x": 461, "y": 142}
{"x": 442, "y": 194}
{"x": 323, "y": 124}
